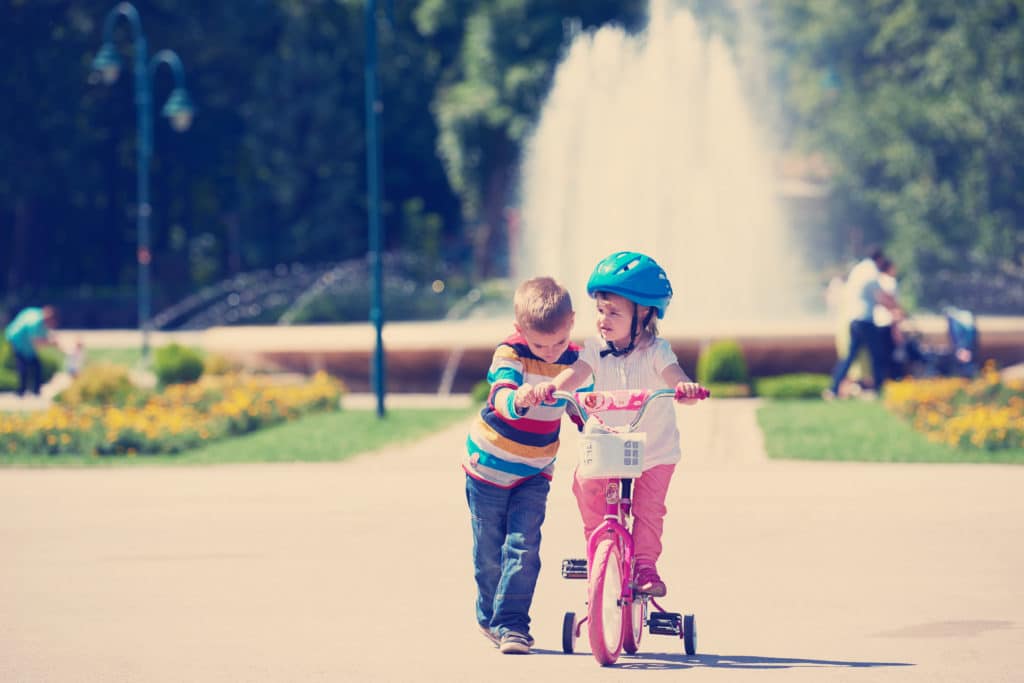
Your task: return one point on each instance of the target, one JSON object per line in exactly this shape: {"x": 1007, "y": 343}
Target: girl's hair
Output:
{"x": 541, "y": 304}
{"x": 652, "y": 324}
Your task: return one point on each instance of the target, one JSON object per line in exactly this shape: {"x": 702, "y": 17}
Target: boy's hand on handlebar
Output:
{"x": 690, "y": 392}
{"x": 544, "y": 392}
{"x": 525, "y": 397}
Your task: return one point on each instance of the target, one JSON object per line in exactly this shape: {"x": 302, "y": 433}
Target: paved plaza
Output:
{"x": 361, "y": 571}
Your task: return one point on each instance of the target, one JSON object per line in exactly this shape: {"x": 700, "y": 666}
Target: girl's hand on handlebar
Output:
{"x": 689, "y": 393}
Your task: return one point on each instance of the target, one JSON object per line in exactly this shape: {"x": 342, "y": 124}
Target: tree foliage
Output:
{"x": 918, "y": 106}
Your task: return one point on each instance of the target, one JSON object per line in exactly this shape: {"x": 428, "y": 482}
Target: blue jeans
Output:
{"x": 506, "y": 550}
{"x": 30, "y": 373}
{"x": 863, "y": 333}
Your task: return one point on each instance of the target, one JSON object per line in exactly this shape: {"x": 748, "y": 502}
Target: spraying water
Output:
{"x": 646, "y": 143}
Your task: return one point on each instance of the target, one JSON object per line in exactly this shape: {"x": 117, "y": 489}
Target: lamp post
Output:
{"x": 178, "y": 109}
{"x": 373, "y": 202}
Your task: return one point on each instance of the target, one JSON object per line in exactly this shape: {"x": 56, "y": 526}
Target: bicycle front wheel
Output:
{"x": 604, "y": 626}
{"x": 632, "y": 625}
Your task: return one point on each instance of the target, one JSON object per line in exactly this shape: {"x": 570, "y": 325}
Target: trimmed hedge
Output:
{"x": 793, "y": 386}
{"x": 177, "y": 364}
{"x": 722, "y": 362}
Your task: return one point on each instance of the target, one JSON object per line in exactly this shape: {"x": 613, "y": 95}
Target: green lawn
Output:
{"x": 126, "y": 357}
{"x": 856, "y": 430}
{"x": 316, "y": 438}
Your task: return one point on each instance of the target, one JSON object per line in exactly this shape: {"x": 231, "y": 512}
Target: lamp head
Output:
{"x": 179, "y": 109}
{"x": 107, "y": 64}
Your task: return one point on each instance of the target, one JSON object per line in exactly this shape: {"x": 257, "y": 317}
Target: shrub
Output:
{"x": 722, "y": 362}
{"x": 50, "y": 360}
{"x": 98, "y": 384}
{"x": 176, "y": 364}
{"x": 217, "y": 364}
{"x": 985, "y": 413}
{"x": 480, "y": 391}
{"x": 799, "y": 385}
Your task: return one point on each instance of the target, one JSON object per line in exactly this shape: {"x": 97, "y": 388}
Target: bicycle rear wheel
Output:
{"x": 604, "y": 626}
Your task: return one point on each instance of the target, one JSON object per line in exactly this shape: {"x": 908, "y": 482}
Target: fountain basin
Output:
{"x": 417, "y": 353}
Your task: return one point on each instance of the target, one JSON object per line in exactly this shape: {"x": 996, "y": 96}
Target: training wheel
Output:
{"x": 569, "y": 632}
{"x": 690, "y": 634}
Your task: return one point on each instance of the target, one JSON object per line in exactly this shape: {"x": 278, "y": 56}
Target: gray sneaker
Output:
{"x": 515, "y": 643}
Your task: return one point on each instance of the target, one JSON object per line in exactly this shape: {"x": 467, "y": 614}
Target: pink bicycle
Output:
{"x": 616, "y": 611}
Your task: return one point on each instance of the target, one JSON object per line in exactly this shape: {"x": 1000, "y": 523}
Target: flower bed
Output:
{"x": 984, "y": 413}
{"x": 183, "y": 416}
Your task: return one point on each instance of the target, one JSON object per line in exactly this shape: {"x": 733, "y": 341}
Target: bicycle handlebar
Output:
{"x": 622, "y": 399}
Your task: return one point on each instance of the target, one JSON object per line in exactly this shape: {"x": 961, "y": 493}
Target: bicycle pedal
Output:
{"x": 665, "y": 623}
{"x": 574, "y": 569}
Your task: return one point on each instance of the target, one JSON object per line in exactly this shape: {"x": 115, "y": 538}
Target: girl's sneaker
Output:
{"x": 515, "y": 643}
{"x": 648, "y": 581}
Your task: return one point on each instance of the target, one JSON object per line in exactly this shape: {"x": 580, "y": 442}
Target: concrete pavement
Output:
{"x": 361, "y": 571}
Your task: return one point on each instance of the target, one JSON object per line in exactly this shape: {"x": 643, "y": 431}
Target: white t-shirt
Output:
{"x": 861, "y": 286}
{"x": 640, "y": 369}
{"x": 883, "y": 316}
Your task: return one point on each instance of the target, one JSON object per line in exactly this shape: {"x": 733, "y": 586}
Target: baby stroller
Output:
{"x": 958, "y": 357}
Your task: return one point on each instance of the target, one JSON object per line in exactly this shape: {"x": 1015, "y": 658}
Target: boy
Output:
{"x": 510, "y": 458}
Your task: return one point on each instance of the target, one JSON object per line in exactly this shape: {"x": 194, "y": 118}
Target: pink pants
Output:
{"x": 649, "y": 492}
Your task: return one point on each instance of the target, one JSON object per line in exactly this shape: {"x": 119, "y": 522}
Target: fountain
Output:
{"x": 647, "y": 143}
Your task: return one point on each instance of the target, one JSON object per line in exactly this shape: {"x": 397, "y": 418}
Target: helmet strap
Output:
{"x": 634, "y": 331}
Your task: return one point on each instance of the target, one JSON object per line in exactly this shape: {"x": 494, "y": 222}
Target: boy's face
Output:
{"x": 548, "y": 346}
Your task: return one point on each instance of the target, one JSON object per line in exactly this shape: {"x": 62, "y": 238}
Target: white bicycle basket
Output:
{"x": 612, "y": 455}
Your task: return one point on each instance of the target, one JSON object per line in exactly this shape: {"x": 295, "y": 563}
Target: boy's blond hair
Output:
{"x": 541, "y": 304}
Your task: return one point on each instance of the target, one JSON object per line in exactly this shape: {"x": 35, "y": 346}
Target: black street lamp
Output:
{"x": 178, "y": 109}
{"x": 373, "y": 202}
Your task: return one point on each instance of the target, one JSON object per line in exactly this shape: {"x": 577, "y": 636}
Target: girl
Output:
{"x": 632, "y": 293}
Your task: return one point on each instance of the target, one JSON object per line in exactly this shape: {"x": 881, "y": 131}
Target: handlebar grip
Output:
{"x": 701, "y": 395}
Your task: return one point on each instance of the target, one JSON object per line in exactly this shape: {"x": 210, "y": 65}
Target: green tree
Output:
{"x": 491, "y": 92}
{"x": 918, "y": 107}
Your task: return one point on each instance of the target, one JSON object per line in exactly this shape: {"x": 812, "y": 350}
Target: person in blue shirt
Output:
{"x": 30, "y": 329}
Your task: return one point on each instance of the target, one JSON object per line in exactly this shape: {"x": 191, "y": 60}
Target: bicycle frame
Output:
{"x": 617, "y": 525}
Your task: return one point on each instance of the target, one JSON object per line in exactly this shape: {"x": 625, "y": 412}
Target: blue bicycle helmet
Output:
{"x": 634, "y": 276}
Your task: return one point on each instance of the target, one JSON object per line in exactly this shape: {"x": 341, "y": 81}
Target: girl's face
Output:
{"x": 615, "y": 318}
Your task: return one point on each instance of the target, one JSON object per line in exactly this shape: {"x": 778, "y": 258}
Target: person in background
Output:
{"x": 30, "y": 329}
{"x": 74, "y": 360}
{"x": 863, "y": 291}
{"x": 889, "y": 335}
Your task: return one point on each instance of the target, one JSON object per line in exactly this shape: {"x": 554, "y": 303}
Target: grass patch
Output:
{"x": 129, "y": 357}
{"x": 857, "y": 430}
{"x": 321, "y": 437}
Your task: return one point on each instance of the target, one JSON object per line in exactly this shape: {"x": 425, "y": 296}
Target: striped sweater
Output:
{"x": 504, "y": 448}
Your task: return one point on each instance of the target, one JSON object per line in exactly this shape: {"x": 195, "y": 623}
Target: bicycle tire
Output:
{"x": 690, "y": 635}
{"x": 569, "y": 633}
{"x": 604, "y": 625}
{"x": 632, "y": 625}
